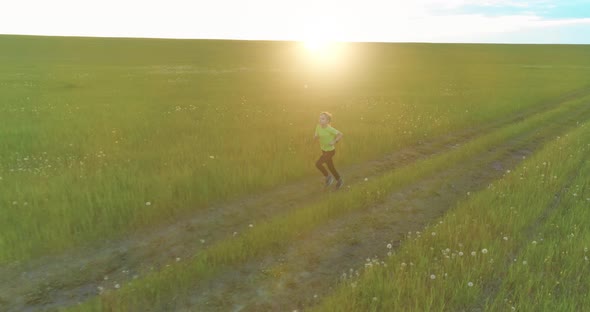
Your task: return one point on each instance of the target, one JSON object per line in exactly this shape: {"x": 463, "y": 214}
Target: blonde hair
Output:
{"x": 328, "y": 115}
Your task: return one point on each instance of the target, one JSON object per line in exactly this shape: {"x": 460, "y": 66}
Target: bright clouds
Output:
{"x": 343, "y": 20}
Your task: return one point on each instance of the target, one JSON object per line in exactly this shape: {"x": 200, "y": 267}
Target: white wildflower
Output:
{"x": 470, "y": 284}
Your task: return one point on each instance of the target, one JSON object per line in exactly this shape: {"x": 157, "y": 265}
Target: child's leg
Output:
{"x": 320, "y": 162}
{"x": 330, "y": 164}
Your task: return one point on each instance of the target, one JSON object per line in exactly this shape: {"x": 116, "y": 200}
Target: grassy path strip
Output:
{"x": 450, "y": 265}
{"x": 158, "y": 288}
{"x": 311, "y": 265}
{"x": 177, "y": 240}
{"x": 550, "y": 271}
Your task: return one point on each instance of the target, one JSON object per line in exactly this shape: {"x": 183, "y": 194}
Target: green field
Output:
{"x": 104, "y": 138}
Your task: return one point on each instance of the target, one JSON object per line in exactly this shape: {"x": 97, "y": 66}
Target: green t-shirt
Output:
{"x": 326, "y": 136}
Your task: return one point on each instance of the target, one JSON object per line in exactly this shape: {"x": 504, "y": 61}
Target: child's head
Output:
{"x": 325, "y": 118}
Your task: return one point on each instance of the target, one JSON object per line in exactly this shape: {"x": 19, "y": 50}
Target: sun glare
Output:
{"x": 322, "y": 51}
{"x": 316, "y": 46}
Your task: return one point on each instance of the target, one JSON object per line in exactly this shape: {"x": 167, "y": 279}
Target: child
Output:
{"x": 328, "y": 137}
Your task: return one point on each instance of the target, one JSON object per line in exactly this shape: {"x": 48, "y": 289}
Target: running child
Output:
{"x": 328, "y": 137}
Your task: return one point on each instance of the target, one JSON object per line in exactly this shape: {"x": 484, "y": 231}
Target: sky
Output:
{"x": 477, "y": 21}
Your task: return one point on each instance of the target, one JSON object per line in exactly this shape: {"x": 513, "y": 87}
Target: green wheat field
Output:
{"x": 104, "y": 138}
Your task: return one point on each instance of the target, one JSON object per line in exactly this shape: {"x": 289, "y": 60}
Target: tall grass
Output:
{"x": 517, "y": 245}
{"x": 98, "y": 138}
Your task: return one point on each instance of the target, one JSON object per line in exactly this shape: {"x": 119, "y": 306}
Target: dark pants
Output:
{"x": 327, "y": 158}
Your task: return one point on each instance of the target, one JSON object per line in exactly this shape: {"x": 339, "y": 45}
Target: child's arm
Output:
{"x": 337, "y": 138}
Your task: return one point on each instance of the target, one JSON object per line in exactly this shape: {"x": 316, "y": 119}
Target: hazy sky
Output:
{"x": 529, "y": 21}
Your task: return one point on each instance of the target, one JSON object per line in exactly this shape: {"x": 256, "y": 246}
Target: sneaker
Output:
{"x": 339, "y": 183}
{"x": 329, "y": 180}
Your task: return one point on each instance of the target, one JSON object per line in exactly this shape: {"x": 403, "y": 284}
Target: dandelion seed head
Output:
{"x": 148, "y": 203}
{"x": 484, "y": 251}
{"x": 432, "y": 276}
{"x": 212, "y": 157}
{"x": 470, "y": 284}
{"x": 374, "y": 298}
{"x": 473, "y": 253}
{"x": 524, "y": 262}
{"x": 177, "y": 259}
{"x": 366, "y": 179}
{"x": 389, "y": 246}
{"x": 433, "y": 233}
{"x": 117, "y": 286}
{"x": 505, "y": 238}
{"x": 250, "y": 225}
{"x": 461, "y": 253}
